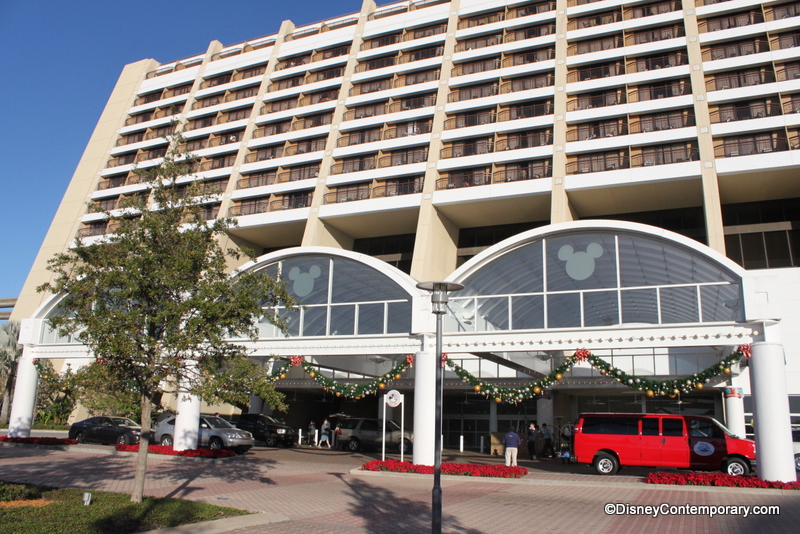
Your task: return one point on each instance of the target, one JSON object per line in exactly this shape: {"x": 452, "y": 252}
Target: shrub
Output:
{"x": 448, "y": 468}
{"x": 19, "y": 492}
{"x": 202, "y": 452}
{"x": 39, "y": 441}
{"x": 717, "y": 479}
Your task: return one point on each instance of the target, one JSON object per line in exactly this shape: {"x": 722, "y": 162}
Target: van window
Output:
{"x": 699, "y": 428}
{"x": 672, "y": 427}
{"x": 649, "y": 427}
{"x": 628, "y": 426}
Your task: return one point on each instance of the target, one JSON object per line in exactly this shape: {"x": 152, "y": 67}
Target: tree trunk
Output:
{"x": 141, "y": 459}
{"x": 4, "y": 411}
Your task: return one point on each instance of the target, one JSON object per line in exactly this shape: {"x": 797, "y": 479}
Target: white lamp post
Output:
{"x": 439, "y": 291}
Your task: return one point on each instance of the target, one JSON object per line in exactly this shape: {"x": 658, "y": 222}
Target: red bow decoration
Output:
{"x": 410, "y": 360}
{"x": 745, "y": 350}
{"x": 296, "y": 360}
{"x": 582, "y": 355}
{"x": 444, "y": 359}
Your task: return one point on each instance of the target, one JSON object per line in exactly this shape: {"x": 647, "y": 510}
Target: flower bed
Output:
{"x": 717, "y": 479}
{"x": 472, "y": 470}
{"x": 169, "y": 451}
{"x": 39, "y": 441}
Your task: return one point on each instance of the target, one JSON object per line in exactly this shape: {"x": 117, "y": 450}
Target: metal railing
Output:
{"x": 599, "y": 163}
{"x": 354, "y": 165}
{"x": 741, "y": 48}
{"x": 469, "y": 93}
{"x": 518, "y": 141}
{"x": 660, "y": 122}
{"x": 347, "y": 194}
{"x": 256, "y": 180}
{"x": 665, "y": 155}
{"x": 374, "y": 64}
{"x": 655, "y": 91}
{"x": 479, "y": 42}
{"x": 595, "y": 45}
{"x": 476, "y": 67}
{"x": 526, "y": 58}
{"x": 457, "y": 181}
{"x": 594, "y": 20}
{"x": 312, "y": 122}
{"x": 272, "y": 129}
{"x": 358, "y": 138}
{"x": 665, "y": 61}
{"x": 298, "y": 173}
{"x": 745, "y": 78}
{"x": 531, "y": 172}
{"x": 652, "y": 9}
{"x": 481, "y": 20}
{"x": 460, "y": 150}
{"x": 421, "y": 54}
{"x": 655, "y": 35}
{"x": 408, "y": 157}
{"x": 750, "y": 145}
{"x": 396, "y": 188}
{"x": 728, "y": 22}
{"x": 371, "y": 87}
{"x": 264, "y": 154}
{"x": 406, "y": 130}
{"x": 530, "y": 33}
{"x": 524, "y": 84}
{"x": 525, "y": 112}
{"x": 472, "y": 119}
{"x": 753, "y": 110}
{"x": 598, "y": 130}
{"x": 595, "y": 73}
{"x": 365, "y": 111}
{"x": 305, "y": 147}
{"x": 610, "y": 98}
{"x": 524, "y": 11}
{"x": 415, "y": 78}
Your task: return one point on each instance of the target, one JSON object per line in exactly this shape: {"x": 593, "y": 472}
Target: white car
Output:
{"x": 215, "y": 433}
{"x": 796, "y": 445}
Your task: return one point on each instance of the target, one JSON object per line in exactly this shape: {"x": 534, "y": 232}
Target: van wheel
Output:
{"x": 736, "y": 467}
{"x": 605, "y": 464}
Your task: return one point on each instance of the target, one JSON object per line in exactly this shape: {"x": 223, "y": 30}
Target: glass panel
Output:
{"x": 355, "y": 282}
{"x": 648, "y": 262}
{"x": 753, "y": 251}
{"x": 343, "y": 320}
{"x": 314, "y": 320}
{"x": 370, "y": 319}
{"x": 493, "y": 314}
{"x": 777, "y": 249}
{"x": 292, "y": 319}
{"x": 266, "y": 329}
{"x": 461, "y": 316}
{"x": 308, "y": 278}
{"x": 721, "y": 303}
{"x": 527, "y": 312}
{"x": 600, "y": 309}
{"x": 564, "y": 310}
{"x": 640, "y": 306}
{"x": 519, "y": 271}
{"x": 679, "y": 305}
{"x": 399, "y": 320}
{"x": 585, "y": 261}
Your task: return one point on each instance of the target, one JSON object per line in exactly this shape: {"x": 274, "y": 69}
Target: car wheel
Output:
{"x": 404, "y": 446}
{"x": 166, "y": 440}
{"x": 122, "y": 439}
{"x": 271, "y": 440}
{"x": 605, "y": 464}
{"x": 797, "y": 462}
{"x": 353, "y": 445}
{"x": 215, "y": 443}
{"x": 736, "y": 467}
{"x": 80, "y": 437}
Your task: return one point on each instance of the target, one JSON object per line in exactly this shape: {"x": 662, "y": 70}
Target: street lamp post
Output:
{"x": 439, "y": 291}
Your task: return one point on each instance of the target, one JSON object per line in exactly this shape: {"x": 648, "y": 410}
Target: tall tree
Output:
{"x": 10, "y": 351}
{"x": 155, "y": 302}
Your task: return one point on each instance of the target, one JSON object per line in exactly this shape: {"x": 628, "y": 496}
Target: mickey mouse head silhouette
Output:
{"x": 580, "y": 265}
{"x": 304, "y": 282}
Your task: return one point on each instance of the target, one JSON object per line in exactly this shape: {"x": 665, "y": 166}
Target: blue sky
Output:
{"x": 59, "y": 64}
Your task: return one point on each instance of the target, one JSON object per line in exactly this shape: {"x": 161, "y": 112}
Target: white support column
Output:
{"x": 187, "y": 423}
{"x": 256, "y": 404}
{"x": 734, "y": 410}
{"x": 771, "y": 413}
{"x": 424, "y": 403}
{"x": 544, "y": 411}
{"x": 24, "y": 404}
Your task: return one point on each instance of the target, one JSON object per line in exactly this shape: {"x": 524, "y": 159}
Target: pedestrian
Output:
{"x": 566, "y": 443}
{"x": 325, "y": 434}
{"x": 548, "y": 441}
{"x": 532, "y": 433}
{"x": 312, "y": 433}
{"x": 511, "y": 440}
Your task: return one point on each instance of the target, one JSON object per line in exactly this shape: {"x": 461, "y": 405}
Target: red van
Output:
{"x": 610, "y": 440}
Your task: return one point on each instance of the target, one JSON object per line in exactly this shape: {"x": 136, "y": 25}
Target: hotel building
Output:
{"x": 616, "y": 176}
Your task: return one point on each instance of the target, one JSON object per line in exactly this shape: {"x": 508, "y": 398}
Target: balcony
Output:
{"x": 460, "y": 150}
{"x": 476, "y": 67}
{"x": 421, "y": 54}
{"x": 264, "y": 154}
{"x": 655, "y": 35}
{"x": 644, "y": 64}
{"x": 526, "y": 58}
{"x": 737, "y": 49}
{"x": 469, "y": 93}
{"x": 596, "y": 45}
{"x": 749, "y": 145}
{"x": 280, "y": 105}
{"x": 657, "y": 91}
{"x": 481, "y": 20}
{"x": 782, "y": 12}
{"x": 169, "y": 111}
{"x": 662, "y": 121}
{"x": 295, "y": 174}
{"x": 525, "y": 111}
{"x": 664, "y": 155}
{"x": 119, "y": 181}
{"x": 397, "y": 187}
{"x": 595, "y": 73}
{"x": 527, "y": 140}
{"x": 257, "y": 180}
{"x": 405, "y": 157}
{"x": 241, "y": 94}
{"x": 312, "y": 122}
{"x": 650, "y": 10}
{"x": 272, "y": 129}
{"x": 471, "y": 119}
{"x": 220, "y": 162}
{"x": 415, "y": 78}
{"x": 347, "y": 194}
{"x": 353, "y": 165}
{"x": 751, "y": 110}
{"x": 743, "y": 78}
{"x": 407, "y": 104}
{"x": 409, "y": 129}
{"x": 785, "y": 40}
{"x": 249, "y": 208}
{"x": 208, "y": 102}
{"x": 729, "y": 22}
{"x": 294, "y": 62}
{"x": 481, "y": 42}
{"x": 149, "y": 98}
{"x": 372, "y": 86}
{"x": 601, "y": 162}
{"x": 216, "y": 80}
{"x": 457, "y": 181}
{"x": 375, "y": 64}
{"x": 359, "y": 138}
{"x": 599, "y": 19}
{"x": 524, "y": 84}
{"x": 524, "y": 11}
{"x": 363, "y": 112}
{"x": 306, "y": 147}
{"x": 318, "y": 98}
{"x": 596, "y": 100}
{"x": 534, "y": 171}
{"x": 529, "y": 33}
{"x": 597, "y": 130}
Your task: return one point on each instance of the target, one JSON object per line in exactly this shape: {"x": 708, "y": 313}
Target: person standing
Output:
{"x": 548, "y": 441}
{"x": 511, "y": 441}
{"x": 312, "y": 433}
{"x": 325, "y": 434}
{"x": 532, "y": 433}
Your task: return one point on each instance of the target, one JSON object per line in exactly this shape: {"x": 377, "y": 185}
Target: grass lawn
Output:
{"x": 23, "y": 510}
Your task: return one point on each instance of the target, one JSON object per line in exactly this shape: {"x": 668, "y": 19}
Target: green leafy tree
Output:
{"x": 10, "y": 352}
{"x": 154, "y": 300}
{"x": 55, "y": 397}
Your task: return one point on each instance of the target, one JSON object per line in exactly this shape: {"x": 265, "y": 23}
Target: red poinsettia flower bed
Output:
{"x": 717, "y": 479}
{"x": 448, "y": 468}
{"x": 39, "y": 441}
{"x": 169, "y": 451}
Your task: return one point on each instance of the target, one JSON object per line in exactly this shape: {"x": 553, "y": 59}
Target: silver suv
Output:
{"x": 353, "y": 433}
{"x": 215, "y": 433}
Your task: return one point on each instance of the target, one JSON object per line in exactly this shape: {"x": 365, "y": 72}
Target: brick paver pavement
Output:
{"x": 304, "y": 490}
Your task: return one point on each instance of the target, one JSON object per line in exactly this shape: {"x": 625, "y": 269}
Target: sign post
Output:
{"x": 394, "y": 399}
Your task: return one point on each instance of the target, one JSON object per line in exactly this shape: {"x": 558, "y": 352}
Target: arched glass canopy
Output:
{"x": 340, "y": 297}
{"x": 595, "y": 278}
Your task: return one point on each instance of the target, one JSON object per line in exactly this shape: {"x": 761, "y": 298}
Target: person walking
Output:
{"x": 511, "y": 441}
{"x": 532, "y": 433}
{"x": 312, "y": 433}
{"x": 325, "y": 434}
{"x": 548, "y": 442}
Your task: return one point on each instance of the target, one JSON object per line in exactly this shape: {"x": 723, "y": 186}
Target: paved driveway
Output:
{"x": 314, "y": 491}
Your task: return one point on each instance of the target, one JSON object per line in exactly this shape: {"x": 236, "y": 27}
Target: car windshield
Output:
{"x": 124, "y": 421}
{"x": 272, "y": 420}
{"x": 217, "y": 422}
{"x": 725, "y": 429}
{"x": 392, "y": 426}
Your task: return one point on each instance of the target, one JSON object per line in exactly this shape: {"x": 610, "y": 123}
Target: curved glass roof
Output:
{"x": 595, "y": 278}
{"x": 341, "y": 297}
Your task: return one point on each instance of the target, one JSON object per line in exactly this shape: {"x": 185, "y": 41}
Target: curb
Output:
{"x": 219, "y": 526}
{"x": 91, "y": 450}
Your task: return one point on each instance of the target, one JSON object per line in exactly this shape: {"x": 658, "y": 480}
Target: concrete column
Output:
{"x": 544, "y": 411}
{"x": 187, "y": 423}
{"x": 771, "y": 413}
{"x": 424, "y": 404}
{"x": 24, "y": 404}
{"x": 493, "y": 415}
{"x": 256, "y": 404}
{"x": 734, "y": 410}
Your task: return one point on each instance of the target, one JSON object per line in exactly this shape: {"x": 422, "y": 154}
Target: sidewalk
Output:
{"x": 321, "y": 491}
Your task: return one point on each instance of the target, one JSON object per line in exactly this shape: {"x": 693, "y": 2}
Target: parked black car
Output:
{"x": 106, "y": 430}
{"x": 267, "y": 429}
